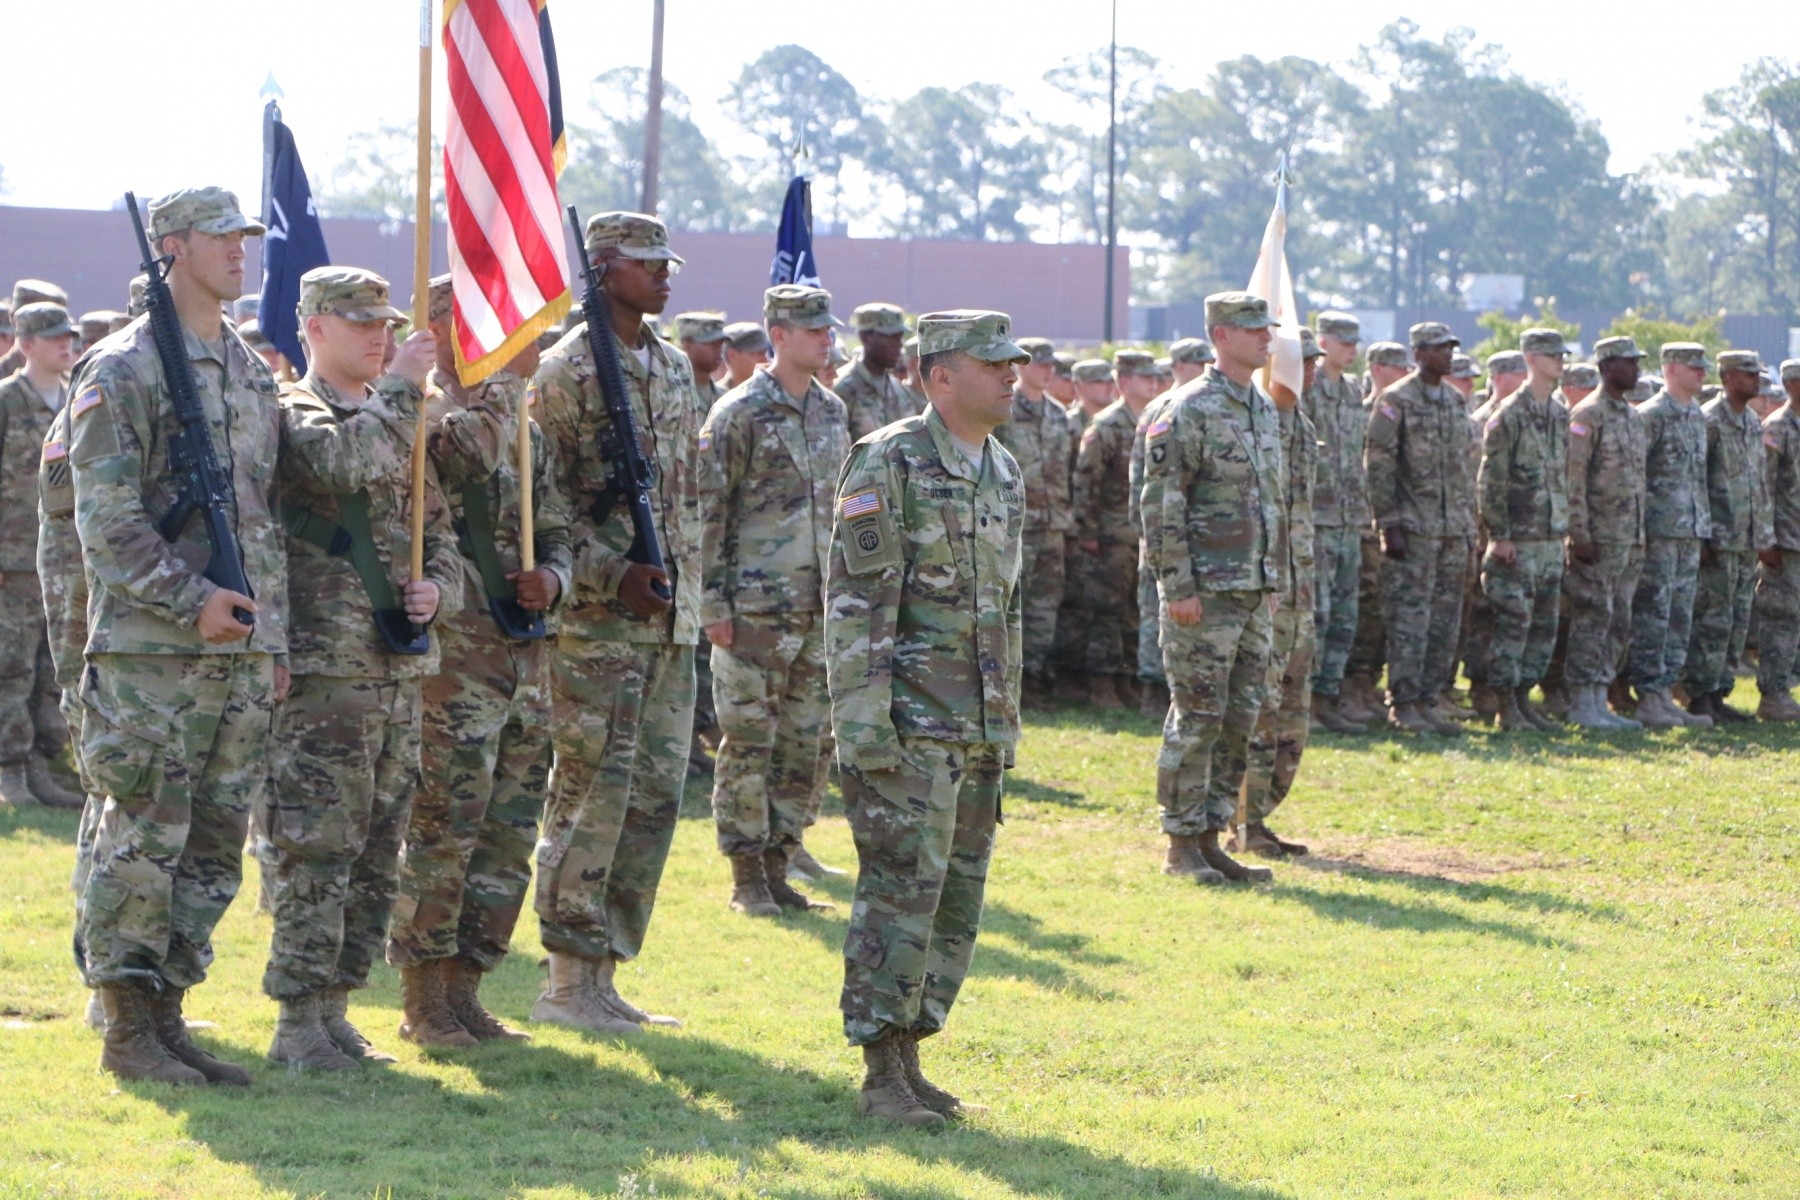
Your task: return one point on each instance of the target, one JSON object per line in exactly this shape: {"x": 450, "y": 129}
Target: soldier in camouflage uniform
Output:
{"x": 746, "y": 348}
{"x": 1777, "y": 605}
{"x": 1419, "y": 465}
{"x": 178, "y": 692}
{"x": 27, "y": 292}
{"x": 923, "y": 643}
{"x": 703, "y": 339}
{"x": 1107, "y": 537}
{"x": 346, "y": 739}
{"x": 770, "y": 455}
{"x": 484, "y": 762}
{"x": 1677, "y": 519}
{"x": 1506, "y": 374}
{"x": 1038, "y": 439}
{"x": 1742, "y": 533}
{"x": 1523, "y": 501}
{"x": 1606, "y": 532}
{"x": 623, "y": 672}
{"x": 1214, "y": 532}
{"x": 31, "y": 729}
{"x": 1360, "y": 700}
{"x": 1340, "y": 512}
{"x": 868, "y": 389}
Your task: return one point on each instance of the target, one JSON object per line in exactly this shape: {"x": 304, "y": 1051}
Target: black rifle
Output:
{"x": 629, "y": 473}
{"x": 204, "y": 487}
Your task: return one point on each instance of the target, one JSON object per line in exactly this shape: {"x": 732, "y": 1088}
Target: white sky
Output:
{"x": 107, "y": 95}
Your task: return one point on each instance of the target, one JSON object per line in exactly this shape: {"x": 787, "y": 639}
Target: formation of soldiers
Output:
{"x": 870, "y": 563}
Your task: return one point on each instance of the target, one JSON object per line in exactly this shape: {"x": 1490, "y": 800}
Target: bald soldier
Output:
{"x": 1038, "y": 439}
{"x": 1340, "y": 512}
{"x": 869, "y": 390}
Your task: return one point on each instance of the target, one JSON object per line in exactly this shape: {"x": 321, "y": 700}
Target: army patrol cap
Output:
{"x": 1542, "y": 341}
{"x": 1616, "y": 347}
{"x": 1506, "y": 362}
{"x": 799, "y": 305}
{"x": 1388, "y": 354}
{"x": 747, "y": 336}
{"x": 910, "y": 347}
{"x": 1790, "y": 369}
{"x": 1585, "y": 375}
{"x": 1164, "y": 369}
{"x": 630, "y": 235}
{"x": 36, "y": 291}
{"x": 1688, "y": 354}
{"x": 1192, "y": 350}
{"x": 1309, "y": 345}
{"x": 348, "y": 292}
{"x": 878, "y": 317}
{"x": 1133, "y": 362}
{"x": 1039, "y": 348}
{"x": 1340, "y": 325}
{"x": 839, "y": 356}
{"x": 1065, "y": 365}
{"x": 1731, "y": 360}
{"x": 1463, "y": 367}
{"x": 6, "y": 325}
{"x": 96, "y": 325}
{"x": 204, "y": 210}
{"x": 254, "y": 337}
{"x": 1098, "y": 370}
{"x": 981, "y": 335}
{"x": 134, "y": 295}
{"x": 1240, "y": 310}
{"x": 1432, "y": 333}
{"x": 702, "y": 327}
{"x": 439, "y": 299}
{"x": 42, "y": 319}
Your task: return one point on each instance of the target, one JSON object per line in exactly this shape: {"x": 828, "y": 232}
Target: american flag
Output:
{"x": 861, "y": 504}
{"x": 503, "y": 150}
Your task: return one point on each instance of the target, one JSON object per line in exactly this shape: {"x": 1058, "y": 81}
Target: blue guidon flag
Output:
{"x": 295, "y": 243}
{"x": 794, "y": 261}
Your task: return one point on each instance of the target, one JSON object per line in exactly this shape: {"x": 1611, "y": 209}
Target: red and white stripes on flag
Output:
{"x": 508, "y": 270}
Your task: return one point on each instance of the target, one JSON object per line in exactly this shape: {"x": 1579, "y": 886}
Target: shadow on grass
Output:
{"x": 1474, "y": 891}
{"x": 57, "y": 824}
{"x": 647, "y": 1111}
{"x": 1417, "y": 916}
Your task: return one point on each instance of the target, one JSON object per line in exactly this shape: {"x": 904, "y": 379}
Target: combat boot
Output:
{"x": 1228, "y": 866}
{"x": 301, "y": 1043}
{"x": 700, "y": 763}
{"x": 571, "y": 998}
{"x": 604, "y": 971}
{"x": 1353, "y": 703}
{"x": 172, "y": 1032}
{"x": 1587, "y": 708}
{"x": 886, "y": 1093}
{"x": 426, "y": 1018}
{"x": 132, "y": 1050}
{"x": 1618, "y": 698}
{"x": 1408, "y": 718}
{"x": 1183, "y": 858}
{"x": 1724, "y": 714}
{"x": 802, "y": 863}
{"x": 1617, "y": 720}
{"x": 15, "y": 786}
{"x": 1328, "y": 714}
{"x": 1264, "y": 842}
{"x": 1437, "y": 715}
{"x": 1069, "y": 689}
{"x": 1103, "y": 693}
{"x": 1155, "y": 699}
{"x": 1511, "y": 720}
{"x": 334, "y": 1019}
{"x": 948, "y": 1105}
{"x": 1486, "y": 699}
{"x": 1655, "y": 712}
{"x": 45, "y": 787}
{"x": 1537, "y": 716}
{"x": 1556, "y": 700}
{"x": 783, "y": 893}
{"x": 462, "y": 983}
{"x": 750, "y": 887}
{"x": 95, "y": 1016}
{"x": 1778, "y": 706}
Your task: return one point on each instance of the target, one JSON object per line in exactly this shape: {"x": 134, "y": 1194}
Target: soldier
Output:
{"x": 1677, "y": 519}
{"x": 31, "y": 730}
{"x": 1107, "y": 536}
{"x": 1462, "y": 376}
{"x": 1580, "y": 380}
{"x": 1062, "y": 385}
{"x": 1606, "y": 532}
{"x": 702, "y": 337}
{"x": 28, "y": 291}
{"x": 7, "y": 337}
{"x": 746, "y": 348}
{"x": 178, "y": 691}
{"x": 771, "y": 451}
{"x": 484, "y": 762}
{"x": 1038, "y": 439}
{"x": 1340, "y": 512}
{"x": 1188, "y": 358}
{"x": 1506, "y": 372}
{"x": 1279, "y": 739}
{"x": 625, "y": 648}
{"x": 1214, "y": 533}
{"x": 346, "y": 738}
{"x": 923, "y": 635}
{"x": 706, "y": 344}
{"x": 1523, "y": 501}
{"x": 1777, "y": 605}
{"x": 908, "y": 372}
{"x": 836, "y": 359}
{"x": 869, "y": 390}
{"x": 1360, "y": 701}
{"x": 1419, "y": 464}
{"x": 1741, "y": 534}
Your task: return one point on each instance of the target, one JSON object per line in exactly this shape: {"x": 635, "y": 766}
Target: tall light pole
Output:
{"x": 653, "y": 114}
{"x": 1112, "y": 168}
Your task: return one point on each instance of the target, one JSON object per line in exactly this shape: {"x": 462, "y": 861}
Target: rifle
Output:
{"x": 204, "y": 487}
{"x": 629, "y": 473}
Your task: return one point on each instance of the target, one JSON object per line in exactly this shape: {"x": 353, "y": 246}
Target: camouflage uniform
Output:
{"x": 872, "y": 399}
{"x": 484, "y": 764}
{"x": 1103, "y": 514}
{"x": 923, "y": 633}
{"x": 1214, "y": 529}
{"x": 1677, "y": 519}
{"x": 347, "y": 736}
{"x": 1523, "y": 492}
{"x": 1038, "y": 439}
{"x": 1149, "y": 647}
{"x": 1741, "y": 525}
{"x": 769, "y": 469}
{"x": 1273, "y": 756}
{"x": 1777, "y": 602}
{"x": 1341, "y": 515}
{"x": 1606, "y": 508}
{"x": 29, "y": 722}
{"x": 1419, "y": 467}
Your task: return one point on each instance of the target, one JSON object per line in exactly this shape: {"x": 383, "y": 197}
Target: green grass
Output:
{"x": 1528, "y": 967}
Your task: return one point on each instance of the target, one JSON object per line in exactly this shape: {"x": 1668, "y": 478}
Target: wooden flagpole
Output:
{"x": 421, "y": 318}
{"x": 527, "y": 551}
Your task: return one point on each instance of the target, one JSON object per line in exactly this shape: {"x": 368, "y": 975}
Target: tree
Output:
{"x": 377, "y": 178}
{"x": 1504, "y": 332}
{"x": 1652, "y": 331}
{"x": 789, "y": 98}
{"x": 965, "y": 164}
{"x": 1078, "y": 151}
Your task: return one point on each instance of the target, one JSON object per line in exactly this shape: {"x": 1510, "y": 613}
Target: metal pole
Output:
{"x": 653, "y": 114}
{"x": 1112, "y": 169}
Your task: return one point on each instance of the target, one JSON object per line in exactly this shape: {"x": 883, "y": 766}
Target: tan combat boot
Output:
{"x": 172, "y": 1032}
{"x": 1328, "y": 714}
{"x": 1510, "y": 718}
{"x": 885, "y": 1091}
{"x": 1407, "y": 718}
{"x": 301, "y": 1043}
{"x": 1778, "y": 706}
{"x": 1485, "y": 699}
{"x": 605, "y": 971}
{"x": 1183, "y": 858}
{"x": 334, "y": 1019}
{"x": 1535, "y": 715}
{"x": 1655, "y": 712}
{"x": 44, "y": 785}
{"x": 1266, "y": 843}
{"x": 945, "y": 1104}
{"x": 802, "y": 863}
{"x": 462, "y": 983}
{"x": 783, "y": 893}
{"x": 15, "y": 786}
{"x": 1228, "y": 866}
{"x": 426, "y": 1018}
{"x": 750, "y": 887}
{"x": 571, "y": 998}
{"x": 132, "y": 1050}
{"x": 1103, "y": 693}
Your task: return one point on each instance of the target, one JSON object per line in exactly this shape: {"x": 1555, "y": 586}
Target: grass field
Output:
{"x": 1525, "y": 967}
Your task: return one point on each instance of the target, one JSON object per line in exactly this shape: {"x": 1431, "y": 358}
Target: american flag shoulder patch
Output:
{"x": 90, "y": 398}
{"x": 1771, "y": 441}
{"x": 706, "y": 441}
{"x": 55, "y": 451}
{"x": 1577, "y": 429}
{"x": 1389, "y": 411}
{"x": 1157, "y": 429}
{"x": 861, "y": 504}
{"x": 1491, "y": 422}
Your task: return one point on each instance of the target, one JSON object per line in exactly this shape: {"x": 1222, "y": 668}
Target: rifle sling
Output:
{"x": 475, "y": 531}
{"x": 354, "y": 539}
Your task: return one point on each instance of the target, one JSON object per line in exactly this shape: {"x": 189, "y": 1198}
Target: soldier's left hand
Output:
{"x": 1770, "y": 557}
{"x": 536, "y": 589}
{"x": 284, "y": 681}
{"x": 420, "y": 599}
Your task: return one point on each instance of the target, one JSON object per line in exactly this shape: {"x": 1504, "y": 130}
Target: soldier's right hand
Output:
{"x": 1185, "y": 612}
{"x": 217, "y": 625}
{"x": 1504, "y": 552}
{"x": 636, "y": 591}
{"x": 1393, "y": 543}
{"x": 415, "y": 357}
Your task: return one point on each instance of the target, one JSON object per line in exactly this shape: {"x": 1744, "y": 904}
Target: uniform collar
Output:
{"x": 949, "y": 455}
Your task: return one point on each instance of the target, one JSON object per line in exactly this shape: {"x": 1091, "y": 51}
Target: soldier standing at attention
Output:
{"x": 346, "y": 740}
{"x": 1360, "y": 701}
{"x": 869, "y": 390}
{"x": 1741, "y": 534}
{"x": 27, "y": 292}
{"x": 1340, "y": 512}
{"x": 770, "y": 454}
{"x": 1107, "y": 536}
{"x": 1462, "y": 376}
{"x": 1606, "y": 532}
{"x": 178, "y": 692}
{"x": 701, "y": 337}
{"x": 746, "y": 348}
{"x": 31, "y": 730}
{"x": 1214, "y": 533}
{"x": 484, "y": 763}
{"x": 1420, "y": 467}
{"x": 1523, "y": 499}
{"x": 624, "y": 664}
{"x": 1038, "y": 439}
{"x": 1677, "y": 519}
{"x": 1777, "y": 605}
{"x": 923, "y": 634}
